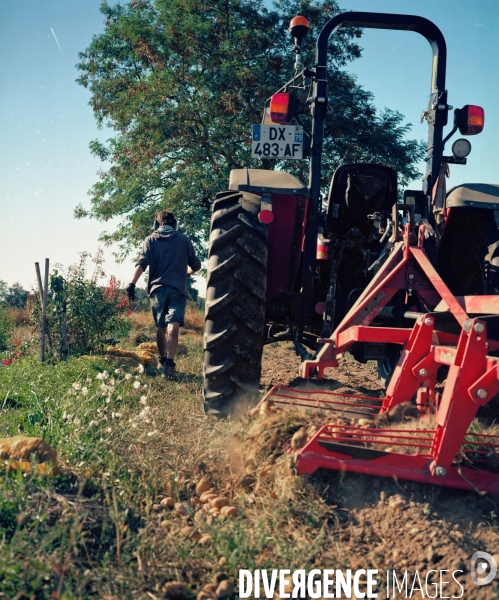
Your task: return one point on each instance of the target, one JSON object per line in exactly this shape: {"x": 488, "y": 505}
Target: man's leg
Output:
{"x": 171, "y": 340}
{"x": 159, "y": 313}
{"x": 161, "y": 341}
{"x": 171, "y": 347}
{"x": 175, "y": 305}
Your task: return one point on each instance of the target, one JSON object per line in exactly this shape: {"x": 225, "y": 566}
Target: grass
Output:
{"x": 124, "y": 441}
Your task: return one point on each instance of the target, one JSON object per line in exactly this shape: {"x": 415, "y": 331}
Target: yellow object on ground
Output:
{"x": 21, "y": 450}
{"x": 148, "y": 357}
{"x": 141, "y": 356}
{"x": 148, "y": 347}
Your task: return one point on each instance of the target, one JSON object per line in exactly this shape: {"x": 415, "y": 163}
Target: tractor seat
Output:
{"x": 356, "y": 191}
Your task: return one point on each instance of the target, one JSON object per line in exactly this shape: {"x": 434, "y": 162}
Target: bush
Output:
{"x": 5, "y": 329}
{"x": 89, "y": 312}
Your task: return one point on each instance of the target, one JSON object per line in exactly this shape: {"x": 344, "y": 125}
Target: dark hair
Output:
{"x": 166, "y": 218}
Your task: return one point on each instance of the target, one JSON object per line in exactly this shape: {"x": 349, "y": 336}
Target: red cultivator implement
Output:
{"x": 453, "y": 333}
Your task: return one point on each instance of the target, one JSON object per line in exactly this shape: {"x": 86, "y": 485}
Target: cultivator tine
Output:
{"x": 348, "y": 405}
{"x": 403, "y": 454}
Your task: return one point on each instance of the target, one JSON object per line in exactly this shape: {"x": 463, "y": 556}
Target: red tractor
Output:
{"x": 285, "y": 266}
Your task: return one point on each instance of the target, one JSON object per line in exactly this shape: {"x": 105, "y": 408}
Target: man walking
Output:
{"x": 170, "y": 257}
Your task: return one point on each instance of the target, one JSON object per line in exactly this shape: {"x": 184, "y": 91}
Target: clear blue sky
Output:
{"x": 46, "y": 124}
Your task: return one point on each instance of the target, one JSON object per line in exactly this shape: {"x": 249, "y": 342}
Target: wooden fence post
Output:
{"x": 44, "y": 328}
{"x": 64, "y": 336}
{"x": 44, "y": 308}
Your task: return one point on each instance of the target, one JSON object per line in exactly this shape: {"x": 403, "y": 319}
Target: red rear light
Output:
{"x": 283, "y": 107}
{"x": 279, "y": 108}
{"x": 471, "y": 119}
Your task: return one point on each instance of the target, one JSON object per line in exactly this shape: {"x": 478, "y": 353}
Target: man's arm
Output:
{"x": 137, "y": 273}
{"x": 192, "y": 260}
{"x": 130, "y": 290}
{"x": 140, "y": 267}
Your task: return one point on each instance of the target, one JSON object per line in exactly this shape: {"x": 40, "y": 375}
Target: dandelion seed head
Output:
{"x": 128, "y": 376}
{"x": 77, "y": 386}
{"x": 84, "y": 391}
{"x": 136, "y": 384}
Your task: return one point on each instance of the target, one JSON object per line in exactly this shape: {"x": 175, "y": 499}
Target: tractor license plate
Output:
{"x": 277, "y": 141}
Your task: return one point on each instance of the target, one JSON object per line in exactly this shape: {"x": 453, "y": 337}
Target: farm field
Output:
{"x": 129, "y": 441}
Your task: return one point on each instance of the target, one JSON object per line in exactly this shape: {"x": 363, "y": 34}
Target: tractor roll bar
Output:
{"x": 382, "y": 21}
{"x": 436, "y": 113}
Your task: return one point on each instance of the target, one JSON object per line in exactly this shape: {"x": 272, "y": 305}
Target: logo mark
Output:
{"x": 479, "y": 567}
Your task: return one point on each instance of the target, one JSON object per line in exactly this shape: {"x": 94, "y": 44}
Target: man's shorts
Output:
{"x": 168, "y": 306}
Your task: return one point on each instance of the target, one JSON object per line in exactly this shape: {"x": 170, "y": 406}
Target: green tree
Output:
{"x": 181, "y": 81}
{"x": 16, "y": 296}
{"x": 4, "y": 289}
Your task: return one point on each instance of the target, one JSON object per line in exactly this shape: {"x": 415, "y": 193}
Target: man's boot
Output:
{"x": 168, "y": 371}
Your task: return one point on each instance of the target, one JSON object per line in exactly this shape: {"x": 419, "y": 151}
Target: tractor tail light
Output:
{"x": 282, "y": 107}
{"x": 471, "y": 119}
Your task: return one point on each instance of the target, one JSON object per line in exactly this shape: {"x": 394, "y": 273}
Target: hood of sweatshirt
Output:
{"x": 164, "y": 233}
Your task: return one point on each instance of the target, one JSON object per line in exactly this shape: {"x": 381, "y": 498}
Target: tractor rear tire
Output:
{"x": 235, "y": 305}
{"x": 387, "y": 365}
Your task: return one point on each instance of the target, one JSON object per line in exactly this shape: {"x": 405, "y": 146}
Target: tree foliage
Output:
{"x": 14, "y": 296}
{"x": 181, "y": 81}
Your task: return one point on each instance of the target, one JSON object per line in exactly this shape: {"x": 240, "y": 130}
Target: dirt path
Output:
{"x": 388, "y": 524}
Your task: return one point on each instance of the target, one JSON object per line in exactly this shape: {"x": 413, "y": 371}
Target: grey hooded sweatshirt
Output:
{"x": 167, "y": 254}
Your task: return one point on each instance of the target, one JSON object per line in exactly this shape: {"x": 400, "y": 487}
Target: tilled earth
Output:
{"x": 387, "y": 524}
